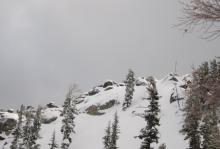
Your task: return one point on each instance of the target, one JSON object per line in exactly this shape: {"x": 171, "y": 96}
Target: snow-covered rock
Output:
{"x": 8, "y": 122}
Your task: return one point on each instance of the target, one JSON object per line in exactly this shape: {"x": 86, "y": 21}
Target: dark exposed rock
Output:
{"x": 10, "y": 110}
{"x": 108, "y": 88}
{"x": 121, "y": 84}
{"x": 2, "y": 138}
{"x": 48, "y": 120}
{"x": 7, "y": 125}
{"x": 140, "y": 83}
{"x": 107, "y": 105}
{"x": 100, "y": 85}
{"x": 93, "y": 110}
{"x": 51, "y": 105}
{"x": 174, "y": 79}
{"x": 108, "y": 83}
{"x": 93, "y": 92}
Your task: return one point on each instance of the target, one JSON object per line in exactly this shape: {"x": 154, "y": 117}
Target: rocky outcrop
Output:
{"x": 141, "y": 82}
{"x": 49, "y": 120}
{"x": 7, "y": 125}
{"x": 93, "y": 92}
{"x": 108, "y": 88}
{"x": 2, "y": 138}
{"x": 108, "y": 83}
{"x": 51, "y": 105}
{"x": 93, "y": 110}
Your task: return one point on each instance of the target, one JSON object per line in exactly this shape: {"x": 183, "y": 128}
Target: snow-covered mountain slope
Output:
{"x": 97, "y": 107}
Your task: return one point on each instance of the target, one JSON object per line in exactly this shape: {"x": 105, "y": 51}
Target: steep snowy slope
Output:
{"x": 98, "y": 106}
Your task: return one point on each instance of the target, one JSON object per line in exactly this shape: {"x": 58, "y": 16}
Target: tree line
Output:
{"x": 200, "y": 115}
{"x": 202, "y": 104}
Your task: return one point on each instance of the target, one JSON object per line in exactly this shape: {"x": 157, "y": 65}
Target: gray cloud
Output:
{"x": 46, "y": 45}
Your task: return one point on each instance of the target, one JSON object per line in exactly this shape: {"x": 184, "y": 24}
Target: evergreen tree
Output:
{"x": 53, "y": 143}
{"x": 16, "y": 143}
{"x": 201, "y": 103}
{"x": 27, "y": 131}
{"x": 68, "y": 113}
{"x": 218, "y": 68}
{"x": 213, "y": 69}
{"x": 197, "y": 95}
{"x": 149, "y": 134}
{"x": 191, "y": 122}
{"x": 129, "y": 91}
{"x": 107, "y": 137}
{"x": 115, "y": 132}
{"x": 31, "y": 129}
{"x": 209, "y": 130}
{"x": 36, "y": 128}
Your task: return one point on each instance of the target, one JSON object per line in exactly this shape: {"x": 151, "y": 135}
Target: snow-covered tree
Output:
{"x": 149, "y": 134}
{"x": 115, "y": 132}
{"x": 27, "y": 140}
{"x": 129, "y": 91}
{"x": 31, "y": 129}
{"x": 107, "y": 137}
{"x": 196, "y": 97}
{"x": 210, "y": 131}
{"x": 213, "y": 69}
{"x": 16, "y": 143}
{"x": 68, "y": 113}
{"x": 36, "y": 128}
{"x": 53, "y": 144}
{"x": 192, "y": 121}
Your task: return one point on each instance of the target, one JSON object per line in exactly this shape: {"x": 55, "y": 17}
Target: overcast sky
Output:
{"x": 46, "y": 45}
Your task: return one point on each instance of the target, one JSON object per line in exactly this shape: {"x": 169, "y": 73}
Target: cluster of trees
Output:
{"x": 201, "y": 121}
{"x": 150, "y": 133}
{"x": 111, "y": 134}
{"x": 28, "y": 126}
{"x": 26, "y": 134}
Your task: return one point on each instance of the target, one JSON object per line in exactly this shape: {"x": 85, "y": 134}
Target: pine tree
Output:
{"x": 213, "y": 71}
{"x": 31, "y": 129}
{"x": 115, "y": 132}
{"x": 27, "y": 131}
{"x": 192, "y": 121}
{"x": 209, "y": 130}
{"x": 36, "y": 128}
{"x": 68, "y": 113}
{"x": 107, "y": 137}
{"x": 129, "y": 91}
{"x": 196, "y": 96}
{"x": 149, "y": 134}
{"x": 16, "y": 143}
{"x": 218, "y": 69}
{"x": 53, "y": 143}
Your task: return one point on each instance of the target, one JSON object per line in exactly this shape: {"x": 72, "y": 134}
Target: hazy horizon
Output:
{"x": 47, "y": 45}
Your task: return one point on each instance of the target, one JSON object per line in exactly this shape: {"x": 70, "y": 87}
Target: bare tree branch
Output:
{"x": 203, "y": 15}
